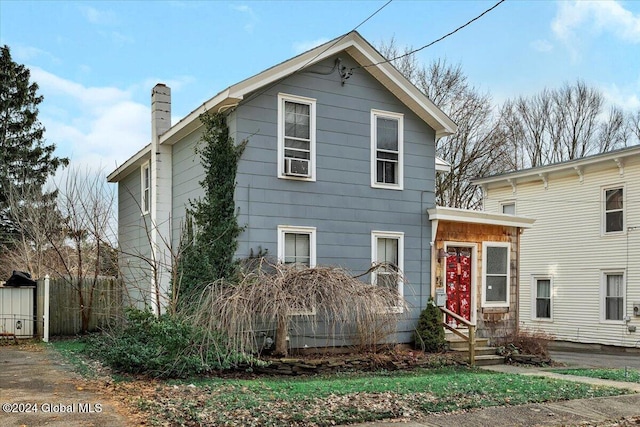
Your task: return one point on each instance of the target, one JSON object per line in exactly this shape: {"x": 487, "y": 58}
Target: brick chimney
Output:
{"x": 161, "y": 202}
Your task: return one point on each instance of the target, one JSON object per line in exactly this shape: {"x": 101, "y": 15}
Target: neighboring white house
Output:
{"x": 580, "y": 263}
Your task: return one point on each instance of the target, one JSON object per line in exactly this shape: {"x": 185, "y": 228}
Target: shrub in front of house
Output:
{"x": 161, "y": 347}
{"x": 429, "y": 333}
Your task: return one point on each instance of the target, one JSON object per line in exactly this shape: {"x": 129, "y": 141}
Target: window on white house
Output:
{"x": 297, "y": 245}
{"x": 614, "y": 294}
{"x": 296, "y": 137}
{"x": 495, "y": 276}
{"x": 387, "y": 131}
{"x": 509, "y": 208}
{"x": 387, "y": 248}
{"x": 613, "y": 210}
{"x": 542, "y": 288}
{"x": 145, "y": 185}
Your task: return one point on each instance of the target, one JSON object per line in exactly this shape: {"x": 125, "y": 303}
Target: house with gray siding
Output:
{"x": 339, "y": 169}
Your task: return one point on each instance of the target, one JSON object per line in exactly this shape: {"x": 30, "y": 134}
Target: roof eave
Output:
{"x": 127, "y": 167}
{"x": 478, "y": 217}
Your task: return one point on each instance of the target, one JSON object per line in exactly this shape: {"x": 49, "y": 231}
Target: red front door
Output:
{"x": 458, "y": 279}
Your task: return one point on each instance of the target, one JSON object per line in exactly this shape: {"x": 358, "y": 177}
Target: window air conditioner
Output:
{"x": 296, "y": 167}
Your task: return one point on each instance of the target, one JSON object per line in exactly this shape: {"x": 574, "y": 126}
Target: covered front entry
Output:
{"x": 458, "y": 282}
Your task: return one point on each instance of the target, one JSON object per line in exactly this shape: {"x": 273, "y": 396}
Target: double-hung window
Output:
{"x": 296, "y": 137}
{"x": 542, "y": 291}
{"x": 297, "y": 245}
{"x": 387, "y": 130}
{"x": 145, "y": 186}
{"x": 495, "y": 277}
{"x": 387, "y": 248}
{"x": 613, "y": 214}
{"x": 613, "y": 295}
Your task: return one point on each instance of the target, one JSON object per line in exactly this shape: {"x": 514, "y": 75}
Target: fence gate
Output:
{"x": 17, "y": 312}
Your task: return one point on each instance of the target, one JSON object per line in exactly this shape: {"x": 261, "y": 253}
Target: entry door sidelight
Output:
{"x": 458, "y": 279}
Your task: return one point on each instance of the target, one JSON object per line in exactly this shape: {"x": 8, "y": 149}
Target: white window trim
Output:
{"x": 603, "y": 210}
{"x": 486, "y": 303}
{"x": 375, "y": 235}
{"x": 389, "y": 115}
{"x": 145, "y": 209}
{"x": 507, "y": 203}
{"x": 282, "y": 98}
{"x": 603, "y": 295}
{"x": 534, "y": 296}
{"x": 311, "y": 231}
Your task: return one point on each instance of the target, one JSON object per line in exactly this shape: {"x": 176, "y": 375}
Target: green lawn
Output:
{"x": 625, "y": 375}
{"x": 334, "y": 399}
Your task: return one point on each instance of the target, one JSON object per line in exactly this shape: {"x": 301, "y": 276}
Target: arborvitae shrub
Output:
{"x": 429, "y": 333}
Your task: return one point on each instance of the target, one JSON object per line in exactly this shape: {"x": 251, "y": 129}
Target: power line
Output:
{"x": 435, "y": 41}
{"x": 326, "y": 49}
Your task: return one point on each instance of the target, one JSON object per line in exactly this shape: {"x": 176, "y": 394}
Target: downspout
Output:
{"x": 434, "y": 233}
{"x": 518, "y": 232}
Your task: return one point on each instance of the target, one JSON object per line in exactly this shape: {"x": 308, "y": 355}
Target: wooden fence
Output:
{"x": 65, "y": 309}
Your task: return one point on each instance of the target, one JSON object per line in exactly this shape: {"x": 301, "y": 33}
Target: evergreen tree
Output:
{"x": 26, "y": 161}
{"x": 211, "y": 232}
{"x": 429, "y": 333}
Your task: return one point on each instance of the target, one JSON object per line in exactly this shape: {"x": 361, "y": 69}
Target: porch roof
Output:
{"x": 478, "y": 217}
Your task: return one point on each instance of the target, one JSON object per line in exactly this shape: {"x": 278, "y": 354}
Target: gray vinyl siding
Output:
{"x": 186, "y": 176}
{"x": 341, "y": 203}
{"x": 134, "y": 240}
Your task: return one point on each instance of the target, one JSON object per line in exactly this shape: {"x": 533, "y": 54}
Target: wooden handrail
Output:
{"x": 471, "y": 339}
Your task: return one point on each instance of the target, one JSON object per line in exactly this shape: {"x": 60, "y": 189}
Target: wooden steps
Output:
{"x": 484, "y": 354}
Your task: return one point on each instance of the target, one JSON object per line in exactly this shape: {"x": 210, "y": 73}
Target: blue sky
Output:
{"x": 96, "y": 62}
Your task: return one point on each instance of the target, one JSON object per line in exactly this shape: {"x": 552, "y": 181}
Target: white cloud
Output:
{"x": 627, "y": 98}
{"x": 576, "y": 20}
{"x": 303, "y": 46}
{"x": 22, "y": 54}
{"x": 98, "y": 17}
{"x": 97, "y": 127}
{"x": 253, "y": 18}
{"x": 541, "y": 45}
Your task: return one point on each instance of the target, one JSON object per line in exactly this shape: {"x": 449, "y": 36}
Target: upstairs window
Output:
{"x": 509, "y": 208}
{"x": 296, "y": 137}
{"x": 387, "y": 131}
{"x": 613, "y": 210}
{"x": 145, "y": 186}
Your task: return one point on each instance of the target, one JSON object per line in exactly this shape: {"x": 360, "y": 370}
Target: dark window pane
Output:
{"x": 543, "y": 308}
{"x": 387, "y": 134}
{"x": 614, "y": 308}
{"x": 614, "y": 221}
{"x": 614, "y": 199}
{"x": 496, "y": 260}
{"x": 496, "y": 289}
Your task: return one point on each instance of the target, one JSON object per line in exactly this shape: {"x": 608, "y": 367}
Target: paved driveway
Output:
{"x": 37, "y": 389}
{"x": 597, "y": 360}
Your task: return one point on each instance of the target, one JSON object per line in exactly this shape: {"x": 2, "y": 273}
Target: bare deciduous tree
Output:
{"x": 73, "y": 239}
{"x": 477, "y": 148}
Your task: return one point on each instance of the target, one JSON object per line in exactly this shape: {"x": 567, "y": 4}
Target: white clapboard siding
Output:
{"x": 566, "y": 243}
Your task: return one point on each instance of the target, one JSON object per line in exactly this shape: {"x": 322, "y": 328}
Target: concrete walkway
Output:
{"x": 583, "y": 412}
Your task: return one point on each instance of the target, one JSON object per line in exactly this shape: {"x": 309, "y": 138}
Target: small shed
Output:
{"x": 475, "y": 261}
{"x": 17, "y": 311}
